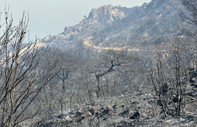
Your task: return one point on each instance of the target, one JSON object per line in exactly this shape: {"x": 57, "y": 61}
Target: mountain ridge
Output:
{"x": 114, "y": 26}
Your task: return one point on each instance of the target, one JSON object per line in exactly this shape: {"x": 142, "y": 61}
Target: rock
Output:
{"x": 193, "y": 78}
{"x": 114, "y": 106}
{"x": 61, "y": 116}
{"x": 123, "y": 106}
{"x": 89, "y": 113}
{"x": 194, "y": 89}
{"x": 124, "y": 113}
{"x": 92, "y": 110}
{"x": 194, "y": 94}
{"x": 192, "y": 84}
{"x": 175, "y": 99}
{"x": 190, "y": 118}
{"x": 80, "y": 119}
{"x": 68, "y": 118}
{"x": 136, "y": 115}
{"x": 105, "y": 111}
{"x": 78, "y": 114}
{"x": 104, "y": 118}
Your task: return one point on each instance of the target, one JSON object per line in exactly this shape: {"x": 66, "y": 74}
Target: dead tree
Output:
{"x": 169, "y": 77}
{"x": 110, "y": 62}
{"x": 63, "y": 76}
{"x": 113, "y": 63}
{"x": 20, "y": 73}
{"x": 191, "y": 15}
{"x": 67, "y": 64}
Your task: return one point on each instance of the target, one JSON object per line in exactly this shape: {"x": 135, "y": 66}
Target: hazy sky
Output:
{"x": 49, "y": 17}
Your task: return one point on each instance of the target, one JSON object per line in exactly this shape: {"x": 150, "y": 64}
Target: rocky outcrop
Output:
{"x": 150, "y": 24}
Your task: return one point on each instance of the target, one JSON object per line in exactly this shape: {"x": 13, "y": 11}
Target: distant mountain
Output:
{"x": 111, "y": 26}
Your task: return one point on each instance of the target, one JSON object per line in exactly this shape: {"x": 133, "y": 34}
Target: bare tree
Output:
{"x": 109, "y": 62}
{"x": 169, "y": 77}
{"x": 191, "y": 15}
{"x": 57, "y": 95}
{"x": 63, "y": 75}
{"x": 20, "y": 71}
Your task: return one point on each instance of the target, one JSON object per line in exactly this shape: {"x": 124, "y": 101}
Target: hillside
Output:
{"x": 110, "y": 26}
{"x": 113, "y": 75}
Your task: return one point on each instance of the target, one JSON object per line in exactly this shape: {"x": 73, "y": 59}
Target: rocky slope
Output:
{"x": 132, "y": 109}
{"x": 137, "y": 108}
{"x": 110, "y": 26}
